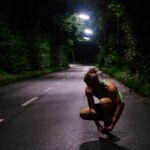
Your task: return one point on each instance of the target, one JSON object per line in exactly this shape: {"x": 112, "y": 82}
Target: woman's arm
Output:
{"x": 118, "y": 112}
{"x": 115, "y": 96}
{"x": 90, "y": 98}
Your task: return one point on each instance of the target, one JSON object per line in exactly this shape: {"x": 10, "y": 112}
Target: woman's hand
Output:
{"x": 100, "y": 129}
{"x": 110, "y": 128}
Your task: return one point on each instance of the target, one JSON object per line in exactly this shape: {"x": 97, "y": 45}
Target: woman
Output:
{"x": 110, "y": 106}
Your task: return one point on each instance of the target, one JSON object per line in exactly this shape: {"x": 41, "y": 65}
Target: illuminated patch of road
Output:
{"x": 69, "y": 76}
{"x": 45, "y": 91}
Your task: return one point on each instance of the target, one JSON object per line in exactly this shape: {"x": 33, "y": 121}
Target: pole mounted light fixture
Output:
{"x": 84, "y": 16}
{"x": 88, "y": 31}
{"x": 86, "y": 38}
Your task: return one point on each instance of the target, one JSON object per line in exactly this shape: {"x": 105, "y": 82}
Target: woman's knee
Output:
{"x": 106, "y": 101}
{"x": 84, "y": 116}
{"x": 87, "y": 114}
{"x": 82, "y": 113}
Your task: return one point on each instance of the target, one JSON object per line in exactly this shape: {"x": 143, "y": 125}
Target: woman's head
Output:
{"x": 91, "y": 77}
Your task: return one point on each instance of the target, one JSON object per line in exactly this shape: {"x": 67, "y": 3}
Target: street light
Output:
{"x": 86, "y": 38}
{"x": 88, "y": 31}
{"x": 84, "y": 16}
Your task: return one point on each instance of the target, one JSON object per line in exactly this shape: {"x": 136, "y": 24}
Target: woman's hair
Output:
{"x": 91, "y": 77}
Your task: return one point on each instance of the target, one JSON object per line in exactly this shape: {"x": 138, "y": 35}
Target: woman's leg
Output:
{"x": 87, "y": 113}
{"x": 91, "y": 114}
{"x": 106, "y": 109}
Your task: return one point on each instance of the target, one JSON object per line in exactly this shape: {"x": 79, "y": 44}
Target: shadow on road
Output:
{"x": 103, "y": 144}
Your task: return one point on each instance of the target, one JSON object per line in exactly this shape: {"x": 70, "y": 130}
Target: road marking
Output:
{"x": 47, "y": 90}
{"x": 58, "y": 83}
{"x": 29, "y": 101}
{"x": 1, "y": 120}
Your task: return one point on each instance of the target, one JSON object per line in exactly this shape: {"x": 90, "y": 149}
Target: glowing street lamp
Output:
{"x": 86, "y": 38}
{"x": 84, "y": 16}
{"x": 88, "y": 31}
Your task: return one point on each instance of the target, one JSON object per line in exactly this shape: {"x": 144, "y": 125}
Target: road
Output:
{"x": 43, "y": 114}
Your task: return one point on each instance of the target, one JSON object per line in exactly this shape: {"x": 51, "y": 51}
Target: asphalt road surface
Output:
{"x": 43, "y": 114}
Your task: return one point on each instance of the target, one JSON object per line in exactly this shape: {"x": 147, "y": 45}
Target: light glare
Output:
{"x": 88, "y": 31}
{"x": 84, "y": 16}
{"x": 86, "y": 38}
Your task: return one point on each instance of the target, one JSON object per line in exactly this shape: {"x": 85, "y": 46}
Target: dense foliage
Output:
{"x": 40, "y": 35}
{"x": 125, "y": 45}
{"x": 36, "y": 36}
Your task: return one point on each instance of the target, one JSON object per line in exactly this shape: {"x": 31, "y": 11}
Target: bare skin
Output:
{"x": 108, "y": 103}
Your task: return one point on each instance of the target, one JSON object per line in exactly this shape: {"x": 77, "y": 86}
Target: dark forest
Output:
{"x": 41, "y": 36}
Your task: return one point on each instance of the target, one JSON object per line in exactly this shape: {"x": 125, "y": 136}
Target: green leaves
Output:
{"x": 41, "y": 52}
{"x": 12, "y": 50}
{"x": 71, "y": 23}
{"x": 117, "y": 8}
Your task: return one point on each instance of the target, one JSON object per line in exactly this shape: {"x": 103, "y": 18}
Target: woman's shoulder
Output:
{"x": 110, "y": 86}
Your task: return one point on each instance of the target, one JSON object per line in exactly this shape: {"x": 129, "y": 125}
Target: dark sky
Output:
{"x": 87, "y": 6}
{"x": 76, "y": 5}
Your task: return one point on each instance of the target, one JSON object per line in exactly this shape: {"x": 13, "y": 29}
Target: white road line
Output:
{"x": 1, "y": 120}
{"x": 58, "y": 82}
{"x": 47, "y": 90}
{"x": 29, "y": 101}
